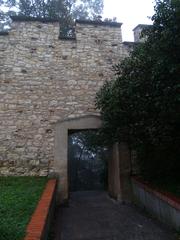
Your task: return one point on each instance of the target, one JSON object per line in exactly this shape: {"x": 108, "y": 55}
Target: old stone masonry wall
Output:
{"x": 44, "y": 79}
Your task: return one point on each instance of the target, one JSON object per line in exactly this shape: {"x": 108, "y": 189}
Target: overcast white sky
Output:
{"x": 130, "y": 13}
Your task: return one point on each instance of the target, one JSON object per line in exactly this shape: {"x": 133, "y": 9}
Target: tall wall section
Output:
{"x": 44, "y": 79}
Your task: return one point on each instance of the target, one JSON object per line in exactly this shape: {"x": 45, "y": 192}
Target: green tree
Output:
{"x": 5, "y": 12}
{"x": 65, "y": 10}
{"x": 141, "y": 105}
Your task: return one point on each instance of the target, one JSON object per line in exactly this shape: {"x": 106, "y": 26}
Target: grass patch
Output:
{"x": 18, "y": 199}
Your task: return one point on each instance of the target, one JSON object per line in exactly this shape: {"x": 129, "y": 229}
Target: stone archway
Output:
{"x": 119, "y": 167}
{"x": 61, "y": 147}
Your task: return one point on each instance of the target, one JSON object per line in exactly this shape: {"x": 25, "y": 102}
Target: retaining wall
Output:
{"x": 164, "y": 206}
{"x": 39, "y": 224}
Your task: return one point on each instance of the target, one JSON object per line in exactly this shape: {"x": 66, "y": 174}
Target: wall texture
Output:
{"x": 44, "y": 79}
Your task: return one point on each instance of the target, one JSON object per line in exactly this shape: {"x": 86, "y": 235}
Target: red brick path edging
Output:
{"x": 37, "y": 224}
{"x": 165, "y": 196}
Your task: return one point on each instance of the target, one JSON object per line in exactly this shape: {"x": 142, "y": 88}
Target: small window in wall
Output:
{"x": 87, "y": 161}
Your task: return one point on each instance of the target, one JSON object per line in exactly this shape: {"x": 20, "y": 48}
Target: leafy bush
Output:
{"x": 141, "y": 105}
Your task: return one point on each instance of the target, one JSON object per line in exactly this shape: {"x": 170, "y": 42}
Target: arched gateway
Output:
{"x": 61, "y": 146}
{"x": 118, "y": 163}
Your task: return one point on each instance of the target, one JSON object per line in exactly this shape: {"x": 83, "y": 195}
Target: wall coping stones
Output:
{"x": 51, "y": 20}
{"x": 33, "y": 19}
{"x": 99, "y": 23}
{"x": 36, "y": 228}
{"x": 165, "y": 196}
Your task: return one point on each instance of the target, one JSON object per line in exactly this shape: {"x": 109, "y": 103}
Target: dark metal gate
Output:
{"x": 87, "y": 162}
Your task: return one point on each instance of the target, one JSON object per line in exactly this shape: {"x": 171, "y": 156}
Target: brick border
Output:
{"x": 165, "y": 196}
{"x": 36, "y": 229}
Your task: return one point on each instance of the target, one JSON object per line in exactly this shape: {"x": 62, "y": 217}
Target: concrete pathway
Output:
{"x": 94, "y": 216}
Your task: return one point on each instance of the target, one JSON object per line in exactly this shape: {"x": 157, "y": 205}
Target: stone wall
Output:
{"x": 138, "y": 32}
{"x": 44, "y": 79}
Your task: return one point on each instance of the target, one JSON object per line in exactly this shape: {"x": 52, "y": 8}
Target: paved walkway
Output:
{"x": 94, "y": 216}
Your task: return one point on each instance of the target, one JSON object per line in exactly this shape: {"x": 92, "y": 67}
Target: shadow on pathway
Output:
{"x": 94, "y": 216}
